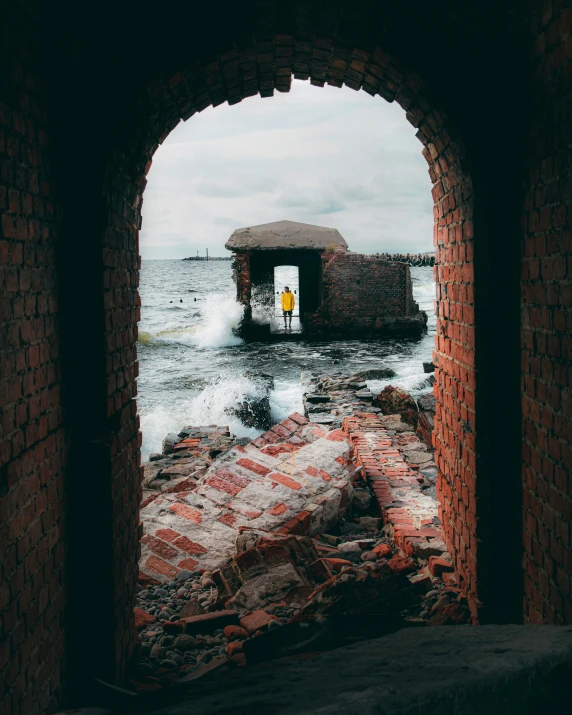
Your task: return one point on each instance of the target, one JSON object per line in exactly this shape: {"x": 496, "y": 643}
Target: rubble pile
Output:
{"x": 302, "y": 540}
{"x": 185, "y": 459}
{"x": 295, "y": 478}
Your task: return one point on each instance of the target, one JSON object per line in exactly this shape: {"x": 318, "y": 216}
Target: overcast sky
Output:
{"x": 325, "y": 156}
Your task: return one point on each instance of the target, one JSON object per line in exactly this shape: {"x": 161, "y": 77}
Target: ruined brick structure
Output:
{"x": 84, "y": 104}
{"x": 365, "y": 295}
{"x": 342, "y": 294}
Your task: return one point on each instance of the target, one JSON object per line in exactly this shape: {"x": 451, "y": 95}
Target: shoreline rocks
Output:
{"x": 352, "y": 524}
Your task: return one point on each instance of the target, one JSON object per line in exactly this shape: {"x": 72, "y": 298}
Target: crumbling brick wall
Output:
{"x": 241, "y": 271}
{"x": 366, "y": 286}
{"x": 33, "y": 442}
{"x": 362, "y": 292}
{"x": 546, "y": 299}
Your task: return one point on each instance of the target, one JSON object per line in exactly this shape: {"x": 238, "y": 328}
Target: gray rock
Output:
{"x": 427, "y": 402}
{"x": 323, "y": 418}
{"x": 362, "y": 500}
{"x": 435, "y": 547}
{"x": 185, "y": 643}
{"x": 382, "y": 373}
{"x": 169, "y": 443}
{"x": 158, "y": 651}
{"x": 168, "y": 663}
{"x": 154, "y": 456}
{"x": 369, "y": 556}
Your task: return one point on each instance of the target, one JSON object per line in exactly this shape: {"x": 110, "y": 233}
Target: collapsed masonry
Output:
{"x": 341, "y": 293}
{"x": 307, "y": 538}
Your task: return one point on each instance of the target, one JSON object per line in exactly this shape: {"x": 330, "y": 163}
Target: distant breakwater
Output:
{"x": 414, "y": 259}
{"x": 209, "y": 258}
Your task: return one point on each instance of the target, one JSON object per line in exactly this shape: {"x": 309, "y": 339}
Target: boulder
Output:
{"x": 394, "y": 400}
{"x": 427, "y": 402}
{"x": 381, "y": 373}
{"x": 254, "y": 410}
{"x": 169, "y": 443}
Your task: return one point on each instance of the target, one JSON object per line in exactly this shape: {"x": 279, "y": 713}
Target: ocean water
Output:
{"x": 192, "y": 366}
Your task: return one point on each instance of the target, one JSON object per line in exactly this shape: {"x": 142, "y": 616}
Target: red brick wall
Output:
{"x": 32, "y": 444}
{"x": 454, "y": 433}
{"x": 546, "y": 298}
{"x": 358, "y": 286}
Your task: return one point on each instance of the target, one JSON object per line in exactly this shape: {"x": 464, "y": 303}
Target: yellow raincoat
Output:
{"x": 287, "y": 301}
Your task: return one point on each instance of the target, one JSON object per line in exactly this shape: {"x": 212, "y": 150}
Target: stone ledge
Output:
{"x": 442, "y": 671}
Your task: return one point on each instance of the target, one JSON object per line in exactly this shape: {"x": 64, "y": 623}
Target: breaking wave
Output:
{"x": 219, "y": 318}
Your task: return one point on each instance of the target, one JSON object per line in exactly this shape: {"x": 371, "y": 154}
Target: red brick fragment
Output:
{"x": 337, "y": 435}
{"x": 189, "y": 546}
{"x": 298, "y": 418}
{"x": 278, "y": 509}
{"x": 167, "y": 534}
{"x": 383, "y": 550}
{"x": 281, "y": 431}
{"x": 154, "y": 563}
{"x": 273, "y": 450}
{"x": 232, "y": 477}
{"x": 222, "y": 485}
{"x": 253, "y": 466}
{"x": 256, "y": 620}
{"x": 187, "y": 512}
{"x": 142, "y": 618}
{"x": 207, "y": 623}
{"x": 188, "y": 564}
{"x": 284, "y": 480}
{"x": 235, "y": 632}
{"x": 400, "y": 564}
{"x": 336, "y": 565}
{"x": 234, "y": 647}
{"x": 159, "y": 547}
{"x": 228, "y": 519}
{"x": 437, "y": 566}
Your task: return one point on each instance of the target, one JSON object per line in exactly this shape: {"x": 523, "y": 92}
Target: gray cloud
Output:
{"x": 300, "y": 156}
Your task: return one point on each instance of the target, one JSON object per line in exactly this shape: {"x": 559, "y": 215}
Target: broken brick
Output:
{"x": 256, "y": 620}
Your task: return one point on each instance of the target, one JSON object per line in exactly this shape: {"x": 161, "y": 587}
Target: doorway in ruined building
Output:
{"x": 287, "y": 276}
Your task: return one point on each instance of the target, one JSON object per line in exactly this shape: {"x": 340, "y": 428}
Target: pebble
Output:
{"x": 444, "y": 600}
{"x": 158, "y": 652}
{"x": 369, "y": 556}
{"x": 185, "y": 642}
{"x": 168, "y": 663}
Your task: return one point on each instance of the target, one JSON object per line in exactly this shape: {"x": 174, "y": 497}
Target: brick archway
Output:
{"x": 263, "y": 67}
{"x": 79, "y": 122}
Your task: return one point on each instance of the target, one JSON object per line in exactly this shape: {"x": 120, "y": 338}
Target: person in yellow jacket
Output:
{"x": 287, "y": 299}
